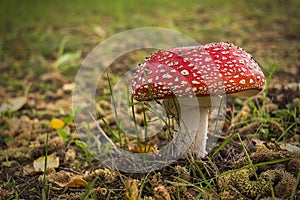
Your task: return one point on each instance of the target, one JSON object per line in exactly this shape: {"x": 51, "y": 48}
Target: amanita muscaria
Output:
{"x": 203, "y": 72}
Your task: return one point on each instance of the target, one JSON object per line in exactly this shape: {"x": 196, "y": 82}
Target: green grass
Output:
{"x": 36, "y": 31}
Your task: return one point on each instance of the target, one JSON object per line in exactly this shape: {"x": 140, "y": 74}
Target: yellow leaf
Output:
{"x": 76, "y": 182}
{"x": 57, "y": 123}
{"x": 52, "y": 162}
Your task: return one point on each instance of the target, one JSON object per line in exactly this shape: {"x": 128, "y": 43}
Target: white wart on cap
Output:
{"x": 211, "y": 69}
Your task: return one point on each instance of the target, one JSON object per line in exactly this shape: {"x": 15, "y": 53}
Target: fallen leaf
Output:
{"x": 99, "y": 31}
{"x": 289, "y": 147}
{"x": 66, "y": 179}
{"x": 68, "y": 87}
{"x": 29, "y": 170}
{"x": 13, "y": 104}
{"x": 76, "y": 182}
{"x": 52, "y": 162}
{"x": 57, "y": 123}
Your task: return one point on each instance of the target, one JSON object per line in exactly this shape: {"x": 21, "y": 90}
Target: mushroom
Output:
{"x": 205, "y": 73}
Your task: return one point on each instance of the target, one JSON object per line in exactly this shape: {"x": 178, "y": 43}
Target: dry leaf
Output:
{"x": 57, "y": 123}
{"x": 52, "y": 162}
{"x": 66, "y": 179}
{"x": 99, "y": 31}
{"x": 13, "y": 104}
{"x": 289, "y": 147}
{"x": 76, "y": 182}
{"x": 68, "y": 87}
{"x": 29, "y": 170}
{"x": 132, "y": 191}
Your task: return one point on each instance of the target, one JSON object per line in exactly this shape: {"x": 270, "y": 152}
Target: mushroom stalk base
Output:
{"x": 193, "y": 117}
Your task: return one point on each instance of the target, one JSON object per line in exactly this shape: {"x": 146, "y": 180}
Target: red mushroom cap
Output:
{"x": 211, "y": 69}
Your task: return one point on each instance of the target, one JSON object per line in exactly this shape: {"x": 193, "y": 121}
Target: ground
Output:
{"x": 257, "y": 154}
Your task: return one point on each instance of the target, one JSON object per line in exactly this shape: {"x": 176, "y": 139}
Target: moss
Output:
{"x": 75, "y": 196}
{"x": 20, "y": 154}
{"x": 240, "y": 185}
{"x": 263, "y": 154}
{"x": 294, "y": 166}
{"x": 243, "y": 184}
{"x": 109, "y": 176}
{"x": 182, "y": 172}
{"x": 281, "y": 181}
{"x": 279, "y": 177}
{"x": 8, "y": 164}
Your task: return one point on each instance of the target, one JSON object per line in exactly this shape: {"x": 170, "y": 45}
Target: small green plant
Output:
{"x": 67, "y": 62}
{"x": 63, "y": 133}
{"x": 85, "y": 146}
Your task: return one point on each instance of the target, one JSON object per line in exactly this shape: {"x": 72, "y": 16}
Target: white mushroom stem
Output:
{"x": 199, "y": 145}
{"x": 194, "y": 120}
{"x": 193, "y": 116}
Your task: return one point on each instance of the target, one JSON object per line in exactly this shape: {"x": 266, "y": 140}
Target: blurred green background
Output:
{"x": 39, "y": 32}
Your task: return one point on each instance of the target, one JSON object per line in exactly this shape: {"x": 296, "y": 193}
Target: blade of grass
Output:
{"x": 285, "y": 132}
{"x": 143, "y": 185}
{"x": 224, "y": 143}
{"x": 295, "y": 186}
{"x": 110, "y": 129}
{"x": 135, "y": 125}
{"x": 45, "y": 188}
{"x": 247, "y": 156}
{"x": 114, "y": 108}
{"x": 205, "y": 180}
{"x": 272, "y": 162}
{"x": 88, "y": 189}
{"x": 145, "y": 129}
